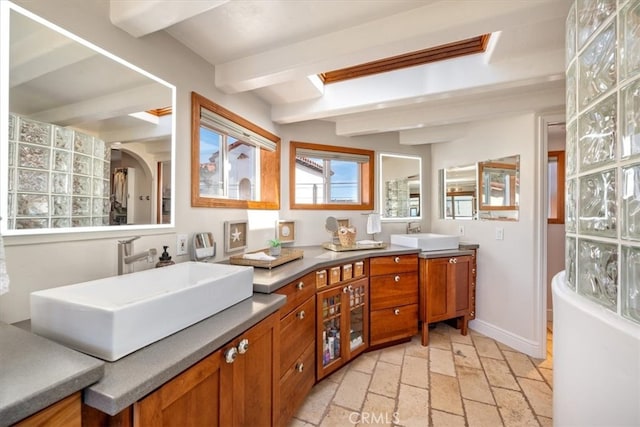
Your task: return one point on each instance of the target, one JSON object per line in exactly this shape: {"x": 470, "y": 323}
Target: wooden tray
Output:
{"x": 286, "y": 255}
{"x": 339, "y": 248}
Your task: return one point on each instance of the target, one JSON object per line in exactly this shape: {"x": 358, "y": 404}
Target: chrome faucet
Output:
{"x": 126, "y": 255}
{"x": 413, "y": 227}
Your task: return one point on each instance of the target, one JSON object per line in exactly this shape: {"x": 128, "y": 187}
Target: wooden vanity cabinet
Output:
{"x": 221, "y": 390}
{"x": 297, "y": 344}
{"x": 394, "y": 298}
{"x": 445, "y": 289}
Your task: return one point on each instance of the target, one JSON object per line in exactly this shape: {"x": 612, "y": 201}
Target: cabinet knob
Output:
{"x": 396, "y": 311}
{"x": 300, "y": 315}
{"x": 243, "y": 346}
{"x": 347, "y": 289}
{"x": 230, "y": 355}
{"x": 396, "y": 259}
{"x": 453, "y": 260}
{"x": 396, "y": 278}
{"x": 300, "y": 367}
{"x": 300, "y": 286}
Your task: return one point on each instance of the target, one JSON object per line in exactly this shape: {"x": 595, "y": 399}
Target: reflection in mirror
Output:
{"x": 234, "y": 163}
{"x": 71, "y": 106}
{"x": 499, "y": 188}
{"x": 400, "y": 186}
{"x": 555, "y": 190}
{"x": 330, "y": 177}
{"x": 460, "y": 192}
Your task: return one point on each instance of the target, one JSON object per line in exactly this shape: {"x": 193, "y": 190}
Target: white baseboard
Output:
{"x": 531, "y": 348}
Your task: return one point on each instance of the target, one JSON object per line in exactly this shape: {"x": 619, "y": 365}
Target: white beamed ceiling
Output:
{"x": 271, "y": 47}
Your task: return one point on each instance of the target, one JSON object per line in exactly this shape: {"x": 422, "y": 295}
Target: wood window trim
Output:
{"x": 269, "y": 162}
{"x": 366, "y": 173}
{"x": 559, "y": 219}
{"x": 468, "y": 46}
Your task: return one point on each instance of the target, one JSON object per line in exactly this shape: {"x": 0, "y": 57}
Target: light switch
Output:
{"x": 499, "y": 233}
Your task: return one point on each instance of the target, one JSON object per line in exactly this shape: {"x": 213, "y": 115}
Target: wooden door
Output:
{"x": 355, "y": 335}
{"x": 253, "y": 378}
{"x": 437, "y": 292}
{"x": 330, "y": 321}
{"x": 460, "y": 273}
{"x": 191, "y": 399}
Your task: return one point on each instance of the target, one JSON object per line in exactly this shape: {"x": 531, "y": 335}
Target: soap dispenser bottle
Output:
{"x": 165, "y": 259}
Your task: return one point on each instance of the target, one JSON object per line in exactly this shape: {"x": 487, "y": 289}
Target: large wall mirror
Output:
{"x": 86, "y": 130}
{"x": 330, "y": 177}
{"x": 400, "y": 187}
{"x": 486, "y": 190}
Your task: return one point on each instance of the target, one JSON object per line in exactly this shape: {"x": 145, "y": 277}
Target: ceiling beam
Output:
{"x": 142, "y": 17}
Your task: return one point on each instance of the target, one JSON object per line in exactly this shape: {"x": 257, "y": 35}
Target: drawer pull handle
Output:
{"x": 243, "y": 346}
{"x": 230, "y": 355}
{"x": 396, "y": 311}
{"x": 300, "y": 367}
{"x": 300, "y": 315}
{"x": 300, "y": 286}
{"x": 397, "y": 278}
{"x": 396, "y": 259}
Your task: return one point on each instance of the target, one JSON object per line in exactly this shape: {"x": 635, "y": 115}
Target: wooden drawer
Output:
{"x": 334, "y": 275}
{"x": 321, "y": 278}
{"x": 393, "y": 264}
{"x": 296, "y": 383}
{"x": 297, "y": 330}
{"x": 347, "y": 272}
{"x": 394, "y": 290}
{"x": 297, "y": 292}
{"x": 388, "y": 325}
{"x": 358, "y": 268}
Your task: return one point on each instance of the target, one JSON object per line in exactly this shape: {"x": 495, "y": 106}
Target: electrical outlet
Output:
{"x": 461, "y": 230}
{"x": 499, "y": 233}
{"x": 182, "y": 245}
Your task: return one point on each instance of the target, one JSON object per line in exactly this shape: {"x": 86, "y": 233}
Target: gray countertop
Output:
{"x": 36, "y": 372}
{"x": 129, "y": 379}
{"x": 315, "y": 257}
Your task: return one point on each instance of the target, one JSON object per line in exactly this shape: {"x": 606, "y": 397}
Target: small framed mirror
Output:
{"x": 460, "y": 192}
{"x": 400, "y": 187}
{"x": 499, "y": 188}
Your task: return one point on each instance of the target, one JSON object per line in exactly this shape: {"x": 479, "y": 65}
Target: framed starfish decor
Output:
{"x": 235, "y": 236}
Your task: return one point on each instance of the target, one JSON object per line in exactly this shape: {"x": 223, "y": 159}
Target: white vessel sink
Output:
{"x": 110, "y": 318}
{"x": 426, "y": 241}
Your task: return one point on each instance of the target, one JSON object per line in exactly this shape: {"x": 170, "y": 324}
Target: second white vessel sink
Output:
{"x": 110, "y": 318}
{"x": 426, "y": 241}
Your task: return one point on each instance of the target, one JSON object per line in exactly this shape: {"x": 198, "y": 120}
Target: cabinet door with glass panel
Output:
{"x": 343, "y": 325}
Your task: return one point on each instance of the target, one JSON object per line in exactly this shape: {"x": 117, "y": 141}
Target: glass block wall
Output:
{"x": 58, "y": 177}
{"x": 603, "y": 153}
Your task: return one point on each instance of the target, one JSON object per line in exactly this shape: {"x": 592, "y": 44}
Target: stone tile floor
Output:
{"x": 456, "y": 381}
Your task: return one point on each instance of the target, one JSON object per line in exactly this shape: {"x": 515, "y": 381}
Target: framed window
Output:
{"x": 234, "y": 163}
{"x": 329, "y": 177}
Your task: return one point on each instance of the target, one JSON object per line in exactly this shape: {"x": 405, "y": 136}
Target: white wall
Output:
{"x": 506, "y": 289}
